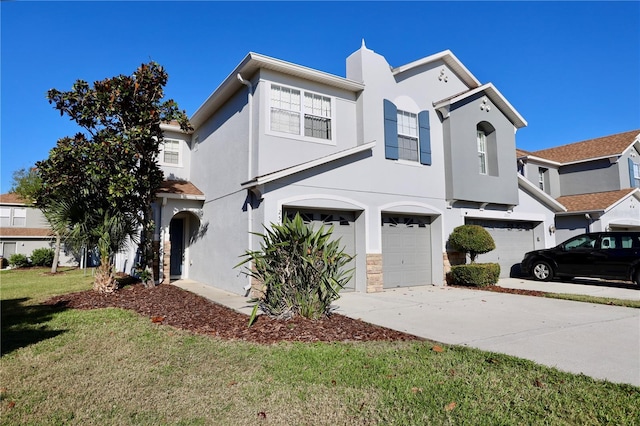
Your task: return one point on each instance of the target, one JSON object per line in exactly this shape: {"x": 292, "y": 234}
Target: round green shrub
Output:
{"x": 476, "y": 274}
{"x": 471, "y": 239}
{"x": 18, "y": 260}
{"x": 42, "y": 257}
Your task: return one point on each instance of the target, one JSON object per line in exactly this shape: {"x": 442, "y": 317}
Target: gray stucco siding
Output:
{"x": 279, "y": 150}
{"x": 464, "y": 180}
{"x": 591, "y": 176}
{"x": 220, "y": 164}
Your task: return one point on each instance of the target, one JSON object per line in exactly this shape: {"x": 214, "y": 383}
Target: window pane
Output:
{"x": 171, "y": 151}
{"x": 407, "y": 148}
{"x": 317, "y": 127}
{"x": 482, "y": 152}
{"x": 407, "y": 124}
{"x": 19, "y": 217}
{"x": 285, "y": 121}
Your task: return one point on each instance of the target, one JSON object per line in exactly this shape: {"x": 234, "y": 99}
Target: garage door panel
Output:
{"x": 406, "y": 250}
{"x": 513, "y": 239}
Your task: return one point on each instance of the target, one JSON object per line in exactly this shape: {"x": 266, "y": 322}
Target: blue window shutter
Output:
{"x": 632, "y": 178}
{"x": 390, "y": 130}
{"x": 425, "y": 137}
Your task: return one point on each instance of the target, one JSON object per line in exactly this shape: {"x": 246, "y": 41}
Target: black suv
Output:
{"x": 609, "y": 255}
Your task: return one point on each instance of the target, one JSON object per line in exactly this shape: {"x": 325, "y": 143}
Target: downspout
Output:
{"x": 249, "y": 169}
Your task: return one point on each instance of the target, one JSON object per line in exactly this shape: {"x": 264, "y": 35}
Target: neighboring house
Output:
{"x": 596, "y": 180}
{"x": 24, "y": 228}
{"x": 393, "y": 157}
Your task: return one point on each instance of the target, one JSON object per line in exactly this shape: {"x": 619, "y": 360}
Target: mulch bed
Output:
{"x": 171, "y": 305}
{"x": 498, "y": 289}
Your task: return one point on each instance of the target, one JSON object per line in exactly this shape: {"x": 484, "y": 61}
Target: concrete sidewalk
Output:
{"x": 597, "y": 340}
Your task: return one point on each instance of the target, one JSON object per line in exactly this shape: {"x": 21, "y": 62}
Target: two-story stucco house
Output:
{"x": 24, "y": 228}
{"x": 393, "y": 157}
{"x": 597, "y": 181}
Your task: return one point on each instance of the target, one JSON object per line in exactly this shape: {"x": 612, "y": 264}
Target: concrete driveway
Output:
{"x": 600, "y": 341}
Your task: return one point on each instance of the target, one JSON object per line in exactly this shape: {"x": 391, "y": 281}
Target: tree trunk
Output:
{"x": 105, "y": 282}
{"x": 56, "y": 254}
{"x": 149, "y": 279}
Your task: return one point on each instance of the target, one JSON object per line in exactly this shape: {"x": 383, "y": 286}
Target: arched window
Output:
{"x": 487, "y": 149}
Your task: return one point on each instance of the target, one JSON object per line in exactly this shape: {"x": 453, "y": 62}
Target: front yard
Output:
{"x": 114, "y": 366}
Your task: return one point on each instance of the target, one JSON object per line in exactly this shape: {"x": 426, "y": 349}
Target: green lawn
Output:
{"x": 115, "y": 367}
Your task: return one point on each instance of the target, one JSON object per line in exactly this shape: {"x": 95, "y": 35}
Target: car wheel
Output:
{"x": 637, "y": 277}
{"x": 542, "y": 271}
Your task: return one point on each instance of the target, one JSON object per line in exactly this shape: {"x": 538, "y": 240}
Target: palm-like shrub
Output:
{"x": 300, "y": 270}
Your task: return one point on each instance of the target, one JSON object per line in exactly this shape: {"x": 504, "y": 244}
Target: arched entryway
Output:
{"x": 182, "y": 231}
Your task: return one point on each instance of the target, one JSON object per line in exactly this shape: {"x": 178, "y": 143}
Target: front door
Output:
{"x": 176, "y": 235}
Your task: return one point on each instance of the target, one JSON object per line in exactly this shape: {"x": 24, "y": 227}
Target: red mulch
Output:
{"x": 498, "y": 289}
{"x": 171, "y": 305}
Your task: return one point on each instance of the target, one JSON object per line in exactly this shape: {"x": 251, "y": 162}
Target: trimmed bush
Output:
{"x": 300, "y": 269}
{"x": 471, "y": 239}
{"x": 476, "y": 274}
{"x": 18, "y": 260}
{"x": 42, "y": 257}
{"x": 4, "y": 262}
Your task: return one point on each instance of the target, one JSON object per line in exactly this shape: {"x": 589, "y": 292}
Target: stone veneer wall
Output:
{"x": 375, "y": 280}
{"x": 452, "y": 258}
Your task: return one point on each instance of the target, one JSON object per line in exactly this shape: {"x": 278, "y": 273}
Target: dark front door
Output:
{"x": 176, "y": 234}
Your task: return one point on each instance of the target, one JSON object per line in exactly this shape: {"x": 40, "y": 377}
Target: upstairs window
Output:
{"x": 300, "y": 113}
{"x": 487, "y": 149}
{"x": 407, "y": 136}
{"x": 634, "y": 174}
{"x": 542, "y": 178}
{"x": 19, "y": 217}
{"x": 482, "y": 151}
{"x": 5, "y": 216}
{"x": 171, "y": 152}
{"x": 13, "y": 216}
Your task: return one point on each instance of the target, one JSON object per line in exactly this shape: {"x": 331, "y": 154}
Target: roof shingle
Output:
{"x": 593, "y": 148}
{"x": 595, "y": 201}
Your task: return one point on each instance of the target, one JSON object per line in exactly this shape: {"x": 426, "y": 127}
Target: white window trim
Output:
{"x": 409, "y": 135}
{"x": 636, "y": 171}
{"x": 482, "y": 154}
{"x": 161, "y": 156}
{"x": 301, "y": 135}
{"x": 541, "y": 172}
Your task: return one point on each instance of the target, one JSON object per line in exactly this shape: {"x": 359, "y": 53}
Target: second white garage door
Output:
{"x": 406, "y": 250}
{"x": 513, "y": 239}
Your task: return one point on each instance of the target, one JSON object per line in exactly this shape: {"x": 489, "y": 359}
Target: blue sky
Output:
{"x": 571, "y": 69}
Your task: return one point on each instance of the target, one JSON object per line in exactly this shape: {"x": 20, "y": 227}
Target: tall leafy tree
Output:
{"x": 112, "y": 167}
{"x": 27, "y": 183}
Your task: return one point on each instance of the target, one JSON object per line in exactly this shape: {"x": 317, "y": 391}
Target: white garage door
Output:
{"x": 406, "y": 250}
{"x": 513, "y": 239}
{"x": 343, "y": 223}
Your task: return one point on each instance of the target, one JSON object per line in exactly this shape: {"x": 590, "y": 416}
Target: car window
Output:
{"x": 608, "y": 242}
{"x": 626, "y": 241}
{"x": 583, "y": 241}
